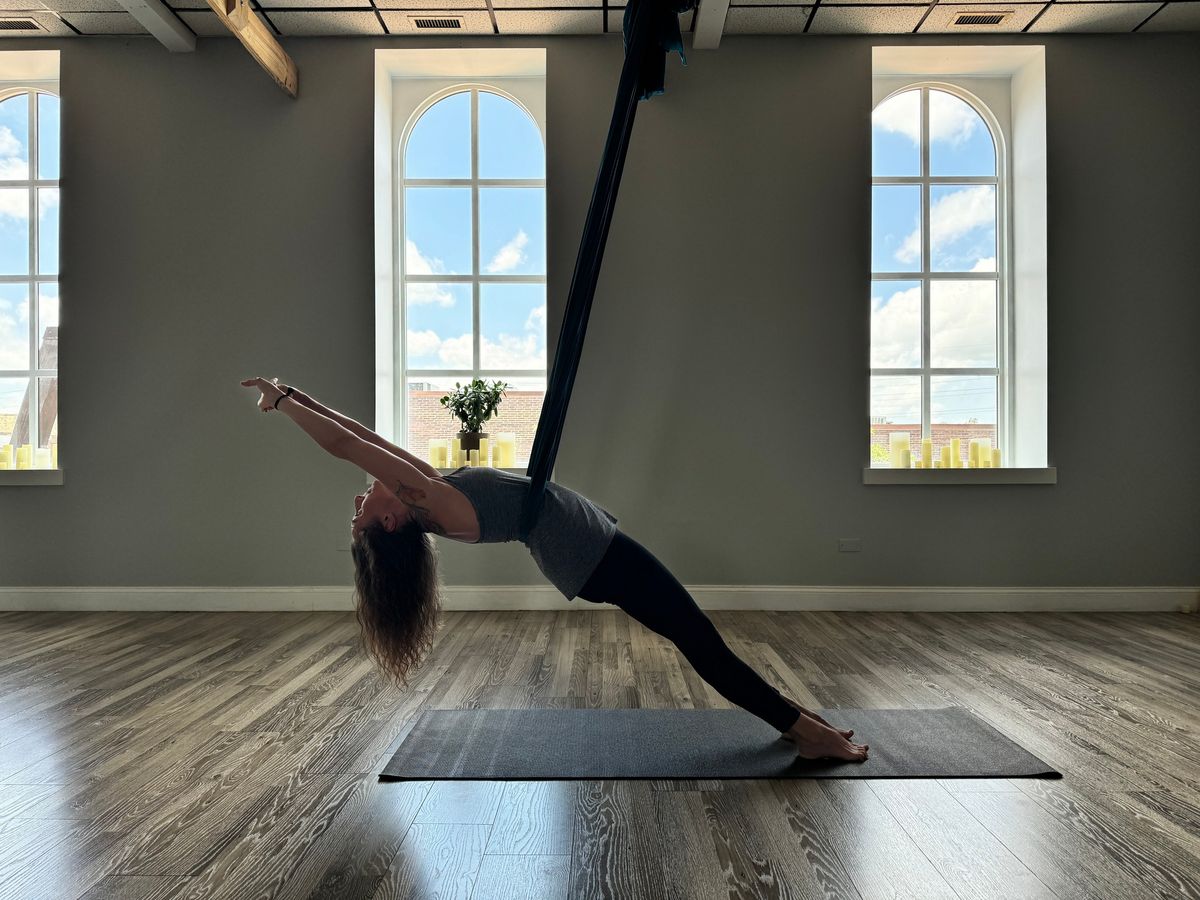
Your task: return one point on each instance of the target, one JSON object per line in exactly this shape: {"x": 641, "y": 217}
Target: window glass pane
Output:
{"x": 962, "y": 227}
{"x": 48, "y": 418}
{"x": 14, "y": 326}
{"x": 895, "y": 324}
{"x": 512, "y": 323}
{"x": 962, "y": 324}
{"x": 896, "y": 135}
{"x": 960, "y": 143}
{"x": 437, "y": 223}
{"x": 14, "y": 231}
{"x": 510, "y": 144}
{"x": 48, "y": 231}
{"x": 517, "y": 414}
{"x": 895, "y": 406}
{"x": 438, "y": 326}
{"x": 47, "y": 309}
{"x": 964, "y": 407}
{"x": 14, "y": 137}
{"x": 48, "y": 136}
{"x": 896, "y": 228}
{"x": 512, "y": 231}
{"x": 439, "y": 145}
{"x": 12, "y": 400}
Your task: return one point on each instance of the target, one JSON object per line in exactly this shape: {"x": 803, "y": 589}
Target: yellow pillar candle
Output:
{"x": 483, "y": 452}
{"x": 995, "y": 457}
{"x": 24, "y": 457}
{"x": 456, "y": 451}
{"x": 945, "y": 462}
{"x": 973, "y": 454}
{"x": 41, "y": 458}
{"x": 54, "y": 454}
{"x": 956, "y": 453}
{"x": 474, "y": 457}
{"x": 897, "y": 445}
{"x": 985, "y": 451}
{"x": 926, "y": 453}
{"x": 6, "y": 457}
{"x": 905, "y": 459}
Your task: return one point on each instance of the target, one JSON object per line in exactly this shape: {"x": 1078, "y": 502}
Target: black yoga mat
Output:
{"x": 570, "y": 744}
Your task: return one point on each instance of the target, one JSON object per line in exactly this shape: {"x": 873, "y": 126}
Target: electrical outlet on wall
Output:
{"x": 849, "y": 545}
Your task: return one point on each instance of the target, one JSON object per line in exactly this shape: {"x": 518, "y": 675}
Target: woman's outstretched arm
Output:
{"x": 361, "y": 431}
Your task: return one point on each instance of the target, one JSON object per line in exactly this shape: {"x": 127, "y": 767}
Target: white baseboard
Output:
{"x": 746, "y": 597}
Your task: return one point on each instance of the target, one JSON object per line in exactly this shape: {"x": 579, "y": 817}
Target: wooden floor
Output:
{"x": 235, "y": 755}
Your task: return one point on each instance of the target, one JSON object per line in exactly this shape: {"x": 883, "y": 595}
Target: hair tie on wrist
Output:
{"x": 288, "y": 393}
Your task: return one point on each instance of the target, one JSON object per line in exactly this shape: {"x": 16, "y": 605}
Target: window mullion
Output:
{"x": 35, "y": 360}
{"x": 926, "y": 266}
{"x": 475, "y": 298}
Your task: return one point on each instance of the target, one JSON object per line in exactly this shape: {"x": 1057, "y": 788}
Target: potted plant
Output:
{"x": 473, "y": 405}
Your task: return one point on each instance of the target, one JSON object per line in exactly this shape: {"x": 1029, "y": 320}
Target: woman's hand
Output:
{"x": 270, "y": 392}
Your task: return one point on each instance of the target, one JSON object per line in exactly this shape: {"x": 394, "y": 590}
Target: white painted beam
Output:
{"x": 160, "y": 21}
{"x": 710, "y": 24}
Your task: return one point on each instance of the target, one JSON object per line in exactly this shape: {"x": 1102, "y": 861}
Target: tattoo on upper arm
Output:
{"x": 415, "y": 498}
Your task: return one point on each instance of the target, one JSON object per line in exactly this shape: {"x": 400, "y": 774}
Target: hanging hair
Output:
{"x": 396, "y": 595}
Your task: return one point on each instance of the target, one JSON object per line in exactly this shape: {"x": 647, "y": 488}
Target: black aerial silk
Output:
{"x": 651, "y": 31}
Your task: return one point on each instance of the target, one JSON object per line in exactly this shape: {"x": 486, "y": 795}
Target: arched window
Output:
{"x": 29, "y": 162}
{"x": 938, "y": 271}
{"x": 473, "y": 288}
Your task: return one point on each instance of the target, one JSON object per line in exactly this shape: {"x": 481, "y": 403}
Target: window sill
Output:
{"x": 961, "y": 476}
{"x": 30, "y": 476}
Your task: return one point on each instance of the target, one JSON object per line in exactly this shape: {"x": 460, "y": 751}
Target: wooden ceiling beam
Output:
{"x": 248, "y": 28}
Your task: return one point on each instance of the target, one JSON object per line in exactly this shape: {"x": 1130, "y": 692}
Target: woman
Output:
{"x": 575, "y": 543}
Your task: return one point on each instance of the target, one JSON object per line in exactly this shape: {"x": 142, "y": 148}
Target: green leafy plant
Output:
{"x": 474, "y": 404}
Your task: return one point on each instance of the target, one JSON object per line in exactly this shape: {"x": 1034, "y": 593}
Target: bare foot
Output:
{"x": 847, "y": 733}
{"x": 816, "y": 741}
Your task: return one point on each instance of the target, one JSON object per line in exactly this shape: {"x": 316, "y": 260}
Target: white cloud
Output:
{"x": 12, "y": 166}
{"x": 510, "y": 255}
{"x": 950, "y": 119}
{"x": 510, "y": 352}
{"x": 900, "y": 115}
{"x": 952, "y": 216}
{"x": 537, "y": 319}
{"x": 962, "y": 322}
{"x": 14, "y": 334}
{"x": 896, "y": 328}
{"x": 416, "y": 263}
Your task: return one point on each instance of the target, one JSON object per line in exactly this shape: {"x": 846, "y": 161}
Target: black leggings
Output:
{"x": 629, "y": 576}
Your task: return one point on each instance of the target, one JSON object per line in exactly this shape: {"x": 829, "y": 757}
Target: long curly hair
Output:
{"x": 397, "y": 595}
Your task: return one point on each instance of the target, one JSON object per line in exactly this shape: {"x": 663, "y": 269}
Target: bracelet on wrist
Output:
{"x": 287, "y": 393}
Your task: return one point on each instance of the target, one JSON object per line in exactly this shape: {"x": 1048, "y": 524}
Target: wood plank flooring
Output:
{"x": 181, "y": 755}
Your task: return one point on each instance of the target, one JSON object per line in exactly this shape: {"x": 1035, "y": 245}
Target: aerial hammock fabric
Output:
{"x": 651, "y": 31}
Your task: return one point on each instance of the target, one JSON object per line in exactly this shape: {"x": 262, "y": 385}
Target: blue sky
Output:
{"x": 962, "y": 235}
{"x": 512, "y": 239}
{"x": 14, "y": 235}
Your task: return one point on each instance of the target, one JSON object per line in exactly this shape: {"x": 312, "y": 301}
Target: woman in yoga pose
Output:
{"x": 575, "y": 543}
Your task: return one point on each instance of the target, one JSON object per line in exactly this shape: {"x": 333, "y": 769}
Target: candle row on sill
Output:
{"x": 447, "y": 453}
{"x": 980, "y": 454}
{"x": 26, "y": 456}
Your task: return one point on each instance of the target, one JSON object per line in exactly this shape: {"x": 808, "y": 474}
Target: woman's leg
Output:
{"x": 629, "y": 576}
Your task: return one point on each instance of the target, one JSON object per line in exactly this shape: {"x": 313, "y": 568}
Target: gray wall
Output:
{"x": 214, "y": 229}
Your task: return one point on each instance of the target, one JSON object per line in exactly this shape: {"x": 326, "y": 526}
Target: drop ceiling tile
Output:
{"x": 444, "y": 5}
{"x": 571, "y": 21}
{"x": 79, "y": 5}
{"x": 473, "y": 22}
{"x": 766, "y": 20}
{"x": 942, "y": 15}
{"x": 769, "y": 3}
{"x": 865, "y": 19}
{"x": 547, "y": 4}
{"x": 305, "y": 5}
{"x": 1110, "y": 16}
{"x": 104, "y": 22}
{"x": 17, "y": 5}
{"x": 616, "y": 19}
{"x": 311, "y": 24}
{"x": 871, "y": 3}
{"x": 1176, "y": 17}
{"x": 52, "y": 26}
{"x": 205, "y": 24}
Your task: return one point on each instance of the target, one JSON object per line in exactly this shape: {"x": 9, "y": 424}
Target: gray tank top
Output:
{"x": 571, "y": 533}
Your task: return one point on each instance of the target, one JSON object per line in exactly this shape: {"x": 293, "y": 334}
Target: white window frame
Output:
{"x": 25, "y": 72}
{"x": 1011, "y": 83}
{"x": 477, "y": 278}
{"x": 926, "y": 276}
{"x": 407, "y": 84}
